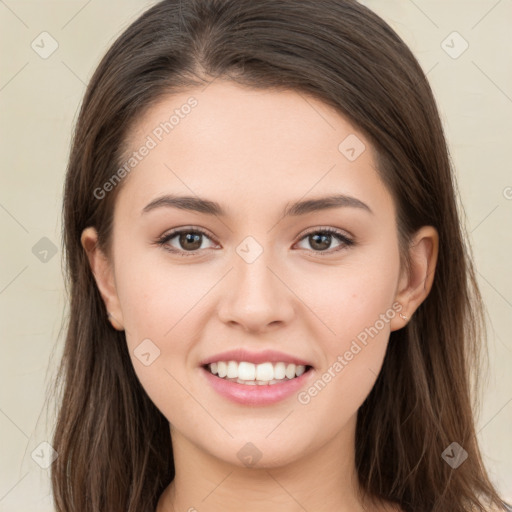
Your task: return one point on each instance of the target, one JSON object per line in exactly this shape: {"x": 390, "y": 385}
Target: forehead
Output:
{"x": 253, "y": 146}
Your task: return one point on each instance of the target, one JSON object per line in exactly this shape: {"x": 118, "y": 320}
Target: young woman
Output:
{"x": 272, "y": 303}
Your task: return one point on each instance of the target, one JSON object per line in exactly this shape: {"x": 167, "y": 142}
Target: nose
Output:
{"x": 255, "y": 297}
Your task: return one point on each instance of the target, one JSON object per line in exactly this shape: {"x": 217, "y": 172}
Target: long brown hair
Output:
{"x": 114, "y": 445}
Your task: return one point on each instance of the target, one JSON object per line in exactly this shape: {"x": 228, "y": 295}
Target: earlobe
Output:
{"x": 103, "y": 275}
{"x": 415, "y": 286}
{"x": 116, "y": 324}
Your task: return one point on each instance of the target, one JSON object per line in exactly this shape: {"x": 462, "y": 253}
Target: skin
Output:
{"x": 256, "y": 152}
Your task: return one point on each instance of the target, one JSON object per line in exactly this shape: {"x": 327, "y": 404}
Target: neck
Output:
{"x": 324, "y": 480}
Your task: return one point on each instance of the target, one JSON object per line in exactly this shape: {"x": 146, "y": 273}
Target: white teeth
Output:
{"x": 279, "y": 371}
{"x": 290, "y": 371}
{"x": 265, "y": 371}
{"x": 232, "y": 370}
{"x": 246, "y": 371}
{"x": 256, "y": 374}
{"x": 222, "y": 369}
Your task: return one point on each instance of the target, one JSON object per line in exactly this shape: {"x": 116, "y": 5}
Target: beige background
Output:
{"x": 39, "y": 98}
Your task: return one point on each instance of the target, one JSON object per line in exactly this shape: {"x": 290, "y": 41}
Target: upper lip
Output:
{"x": 264, "y": 356}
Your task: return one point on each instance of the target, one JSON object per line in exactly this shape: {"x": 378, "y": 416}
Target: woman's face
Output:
{"x": 257, "y": 280}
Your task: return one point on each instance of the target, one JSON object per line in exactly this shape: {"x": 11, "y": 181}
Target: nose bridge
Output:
{"x": 254, "y": 278}
{"x": 255, "y": 297}
{"x": 255, "y": 283}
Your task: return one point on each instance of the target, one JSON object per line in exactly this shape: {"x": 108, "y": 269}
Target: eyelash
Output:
{"x": 162, "y": 241}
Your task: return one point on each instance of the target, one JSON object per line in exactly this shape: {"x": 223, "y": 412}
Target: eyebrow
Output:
{"x": 197, "y": 204}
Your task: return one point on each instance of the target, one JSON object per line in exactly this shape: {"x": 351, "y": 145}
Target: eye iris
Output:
{"x": 321, "y": 240}
{"x": 194, "y": 238}
{"x": 191, "y": 240}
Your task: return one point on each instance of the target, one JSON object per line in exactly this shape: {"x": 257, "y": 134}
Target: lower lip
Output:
{"x": 247, "y": 394}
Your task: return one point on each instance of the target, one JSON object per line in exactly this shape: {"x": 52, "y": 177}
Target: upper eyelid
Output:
{"x": 174, "y": 232}
{"x": 333, "y": 230}
{"x": 179, "y": 230}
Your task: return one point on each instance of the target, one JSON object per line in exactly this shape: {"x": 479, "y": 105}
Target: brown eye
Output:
{"x": 190, "y": 241}
{"x": 321, "y": 240}
{"x": 187, "y": 241}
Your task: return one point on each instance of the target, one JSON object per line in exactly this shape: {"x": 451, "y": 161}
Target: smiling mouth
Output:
{"x": 251, "y": 374}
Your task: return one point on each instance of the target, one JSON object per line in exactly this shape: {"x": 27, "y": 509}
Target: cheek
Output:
{"x": 158, "y": 298}
{"x": 159, "y": 307}
{"x": 352, "y": 360}
{"x": 354, "y": 296}
{"x": 158, "y": 303}
{"x": 358, "y": 309}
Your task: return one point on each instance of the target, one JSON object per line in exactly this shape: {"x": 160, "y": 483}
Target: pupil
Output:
{"x": 322, "y": 241}
{"x": 193, "y": 238}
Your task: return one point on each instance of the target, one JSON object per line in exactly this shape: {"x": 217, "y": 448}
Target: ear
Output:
{"x": 415, "y": 285}
{"x": 104, "y": 275}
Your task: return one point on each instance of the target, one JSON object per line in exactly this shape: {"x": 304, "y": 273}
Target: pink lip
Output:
{"x": 256, "y": 395}
{"x": 264, "y": 356}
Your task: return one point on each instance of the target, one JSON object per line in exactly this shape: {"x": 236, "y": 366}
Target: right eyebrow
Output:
{"x": 190, "y": 203}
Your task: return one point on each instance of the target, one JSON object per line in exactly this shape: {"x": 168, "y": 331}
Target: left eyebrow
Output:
{"x": 208, "y": 207}
{"x": 323, "y": 203}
